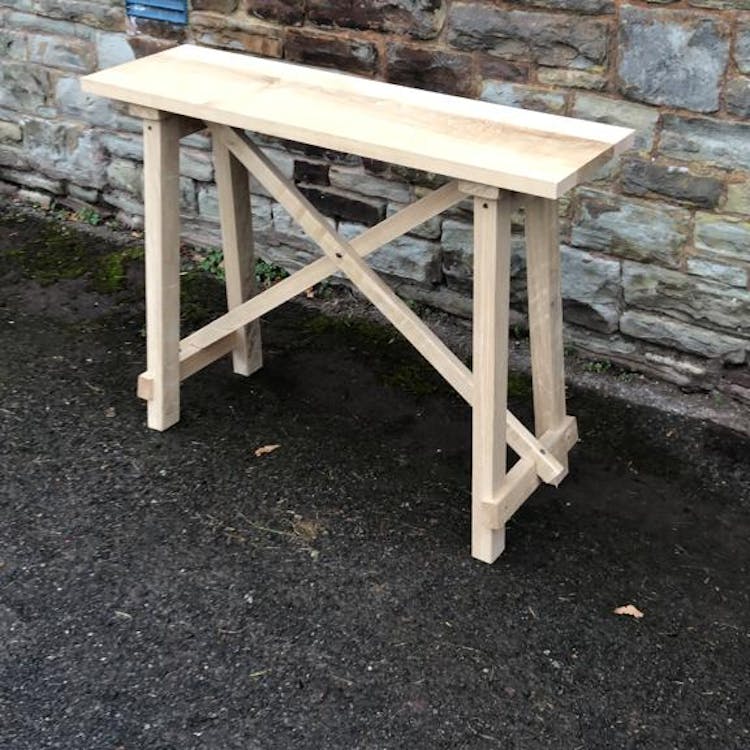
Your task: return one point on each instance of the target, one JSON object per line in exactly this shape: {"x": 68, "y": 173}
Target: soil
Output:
{"x": 174, "y": 590}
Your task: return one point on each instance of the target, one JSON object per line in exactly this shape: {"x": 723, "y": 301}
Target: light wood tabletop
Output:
{"x": 514, "y": 149}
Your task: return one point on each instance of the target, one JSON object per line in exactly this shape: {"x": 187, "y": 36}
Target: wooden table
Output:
{"x": 503, "y": 158}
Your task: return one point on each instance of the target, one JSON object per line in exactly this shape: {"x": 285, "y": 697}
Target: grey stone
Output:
{"x": 405, "y": 257}
{"x": 429, "y": 230}
{"x": 675, "y": 334}
{"x": 590, "y": 289}
{"x": 13, "y": 46}
{"x": 738, "y": 197}
{"x": 32, "y": 196}
{"x": 594, "y": 79}
{"x": 731, "y": 275}
{"x": 677, "y": 182}
{"x": 9, "y": 132}
{"x": 61, "y": 149}
{"x": 126, "y": 176}
{"x": 36, "y": 23}
{"x": 124, "y": 145}
{"x": 579, "y": 6}
{"x": 12, "y": 157}
{"x": 631, "y": 229}
{"x": 718, "y": 142}
{"x": 691, "y": 298}
{"x": 208, "y": 202}
{"x": 722, "y": 237}
{"x": 520, "y": 95}
{"x": 672, "y": 58}
{"x": 87, "y": 195}
{"x": 197, "y": 165}
{"x": 91, "y": 13}
{"x": 62, "y": 52}
{"x": 358, "y": 181}
{"x": 742, "y": 47}
{"x": 554, "y": 39}
{"x": 641, "y": 118}
{"x": 72, "y": 101}
{"x": 188, "y": 200}
{"x": 23, "y": 86}
{"x": 721, "y": 4}
{"x": 34, "y": 180}
{"x": 737, "y": 96}
{"x": 112, "y": 49}
{"x": 131, "y": 207}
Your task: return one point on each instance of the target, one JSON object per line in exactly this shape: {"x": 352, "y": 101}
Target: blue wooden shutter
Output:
{"x": 173, "y": 11}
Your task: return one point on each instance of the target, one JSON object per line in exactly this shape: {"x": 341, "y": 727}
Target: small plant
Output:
{"x": 212, "y": 261}
{"x": 267, "y": 274}
{"x": 598, "y": 366}
{"x": 88, "y": 215}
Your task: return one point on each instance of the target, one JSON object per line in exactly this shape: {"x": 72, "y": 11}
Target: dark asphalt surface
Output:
{"x": 175, "y": 591}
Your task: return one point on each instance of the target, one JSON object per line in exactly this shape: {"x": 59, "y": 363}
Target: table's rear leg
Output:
{"x": 162, "y": 240}
{"x": 545, "y": 315}
{"x": 490, "y": 364}
{"x": 232, "y": 183}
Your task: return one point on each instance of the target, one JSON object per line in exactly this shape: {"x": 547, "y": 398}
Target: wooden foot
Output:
{"x": 232, "y": 183}
{"x": 161, "y": 178}
{"x": 490, "y": 357}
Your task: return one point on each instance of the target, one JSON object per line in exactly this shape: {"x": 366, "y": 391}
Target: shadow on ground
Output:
{"x": 175, "y": 591}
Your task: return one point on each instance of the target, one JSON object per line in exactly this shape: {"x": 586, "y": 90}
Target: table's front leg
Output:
{"x": 161, "y": 177}
{"x": 490, "y": 365}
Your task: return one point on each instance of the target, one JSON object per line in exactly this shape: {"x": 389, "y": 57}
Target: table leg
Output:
{"x": 545, "y": 315}
{"x": 490, "y": 365}
{"x": 162, "y": 239}
{"x": 232, "y": 183}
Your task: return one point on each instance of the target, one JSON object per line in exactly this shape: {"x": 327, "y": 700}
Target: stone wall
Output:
{"x": 656, "y": 251}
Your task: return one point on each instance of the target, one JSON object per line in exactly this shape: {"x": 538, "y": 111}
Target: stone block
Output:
{"x": 123, "y": 145}
{"x": 33, "y": 196}
{"x": 501, "y": 70}
{"x": 435, "y": 70}
{"x": 685, "y": 337}
{"x": 429, "y": 230}
{"x": 639, "y": 117}
{"x": 311, "y": 173}
{"x": 672, "y": 58}
{"x": 188, "y": 199}
{"x": 358, "y": 181}
{"x": 60, "y": 149}
{"x": 23, "y": 86}
{"x": 127, "y": 176}
{"x": 722, "y": 237}
{"x": 694, "y": 299}
{"x": 590, "y": 289}
{"x": 553, "y": 39}
{"x": 738, "y": 198}
{"x": 597, "y": 7}
{"x": 198, "y": 165}
{"x": 87, "y": 13}
{"x": 70, "y": 100}
{"x": 709, "y": 269}
{"x": 62, "y": 53}
{"x": 337, "y": 205}
{"x": 420, "y": 19}
{"x": 405, "y": 257}
{"x": 630, "y": 229}
{"x": 13, "y": 157}
{"x": 130, "y": 207}
{"x": 328, "y": 50}
{"x": 737, "y": 96}
{"x": 10, "y": 132}
{"x": 34, "y": 181}
{"x": 717, "y": 142}
{"x": 640, "y": 177}
{"x": 521, "y": 95}
{"x": 266, "y": 43}
{"x": 13, "y": 45}
{"x": 594, "y": 79}
{"x": 287, "y": 12}
{"x": 742, "y": 47}
{"x": 112, "y": 49}
{"x": 225, "y": 7}
{"x": 86, "y": 195}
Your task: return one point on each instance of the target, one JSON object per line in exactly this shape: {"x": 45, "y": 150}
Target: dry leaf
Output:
{"x": 265, "y": 449}
{"x": 310, "y": 292}
{"x": 629, "y": 609}
{"x": 110, "y": 412}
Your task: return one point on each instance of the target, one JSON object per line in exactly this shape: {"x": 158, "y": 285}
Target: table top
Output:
{"x": 506, "y": 147}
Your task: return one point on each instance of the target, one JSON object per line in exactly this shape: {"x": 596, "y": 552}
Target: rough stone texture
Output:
{"x": 675, "y": 334}
{"x": 499, "y": 69}
{"x": 112, "y": 49}
{"x": 62, "y": 53}
{"x": 520, "y": 95}
{"x": 10, "y": 131}
{"x": 448, "y": 72}
{"x": 215, "y": 6}
{"x": 429, "y": 230}
{"x": 591, "y": 289}
{"x": 288, "y": 12}
{"x": 242, "y": 40}
{"x": 126, "y": 175}
{"x": 722, "y": 237}
{"x": 742, "y": 47}
{"x": 732, "y": 275}
{"x": 706, "y": 303}
{"x": 672, "y": 58}
{"x": 641, "y": 118}
{"x": 640, "y": 177}
{"x": 198, "y": 165}
{"x": 738, "y": 96}
{"x": 421, "y": 19}
{"x": 73, "y": 102}
{"x": 358, "y": 181}
{"x": 578, "y": 6}
{"x": 738, "y": 198}
{"x": 13, "y": 45}
{"x": 719, "y": 142}
{"x": 630, "y": 229}
{"x": 553, "y": 39}
{"x": 328, "y": 50}
{"x": 23, "y": 87}
{"x": 595, "y": 78}
{"x": 337, "y": 205}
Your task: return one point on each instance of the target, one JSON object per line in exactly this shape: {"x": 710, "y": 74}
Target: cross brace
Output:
{"x": 497, "y": 494}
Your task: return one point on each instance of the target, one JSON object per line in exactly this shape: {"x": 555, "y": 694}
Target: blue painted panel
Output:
{"x": 173, "y": 11}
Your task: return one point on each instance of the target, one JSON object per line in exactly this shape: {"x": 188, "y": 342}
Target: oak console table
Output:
{"x": 500, "y": 157}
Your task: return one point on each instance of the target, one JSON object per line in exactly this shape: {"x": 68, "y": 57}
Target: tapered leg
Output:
{"x": 239, "y": 261}
{"x": 490, "y": 358}
{"x": 161, "y": 179}
{"x": 545, "y": 315}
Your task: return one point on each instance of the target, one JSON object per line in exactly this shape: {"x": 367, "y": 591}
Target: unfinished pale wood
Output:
{"x": 545, "y": 313}
{"x": 522, "y": 479}
{"x": 161, "y": 178}
{"x": 490, "y": 358}
{"x": 505, "y": 147}
{"x": 233, "y": 187}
